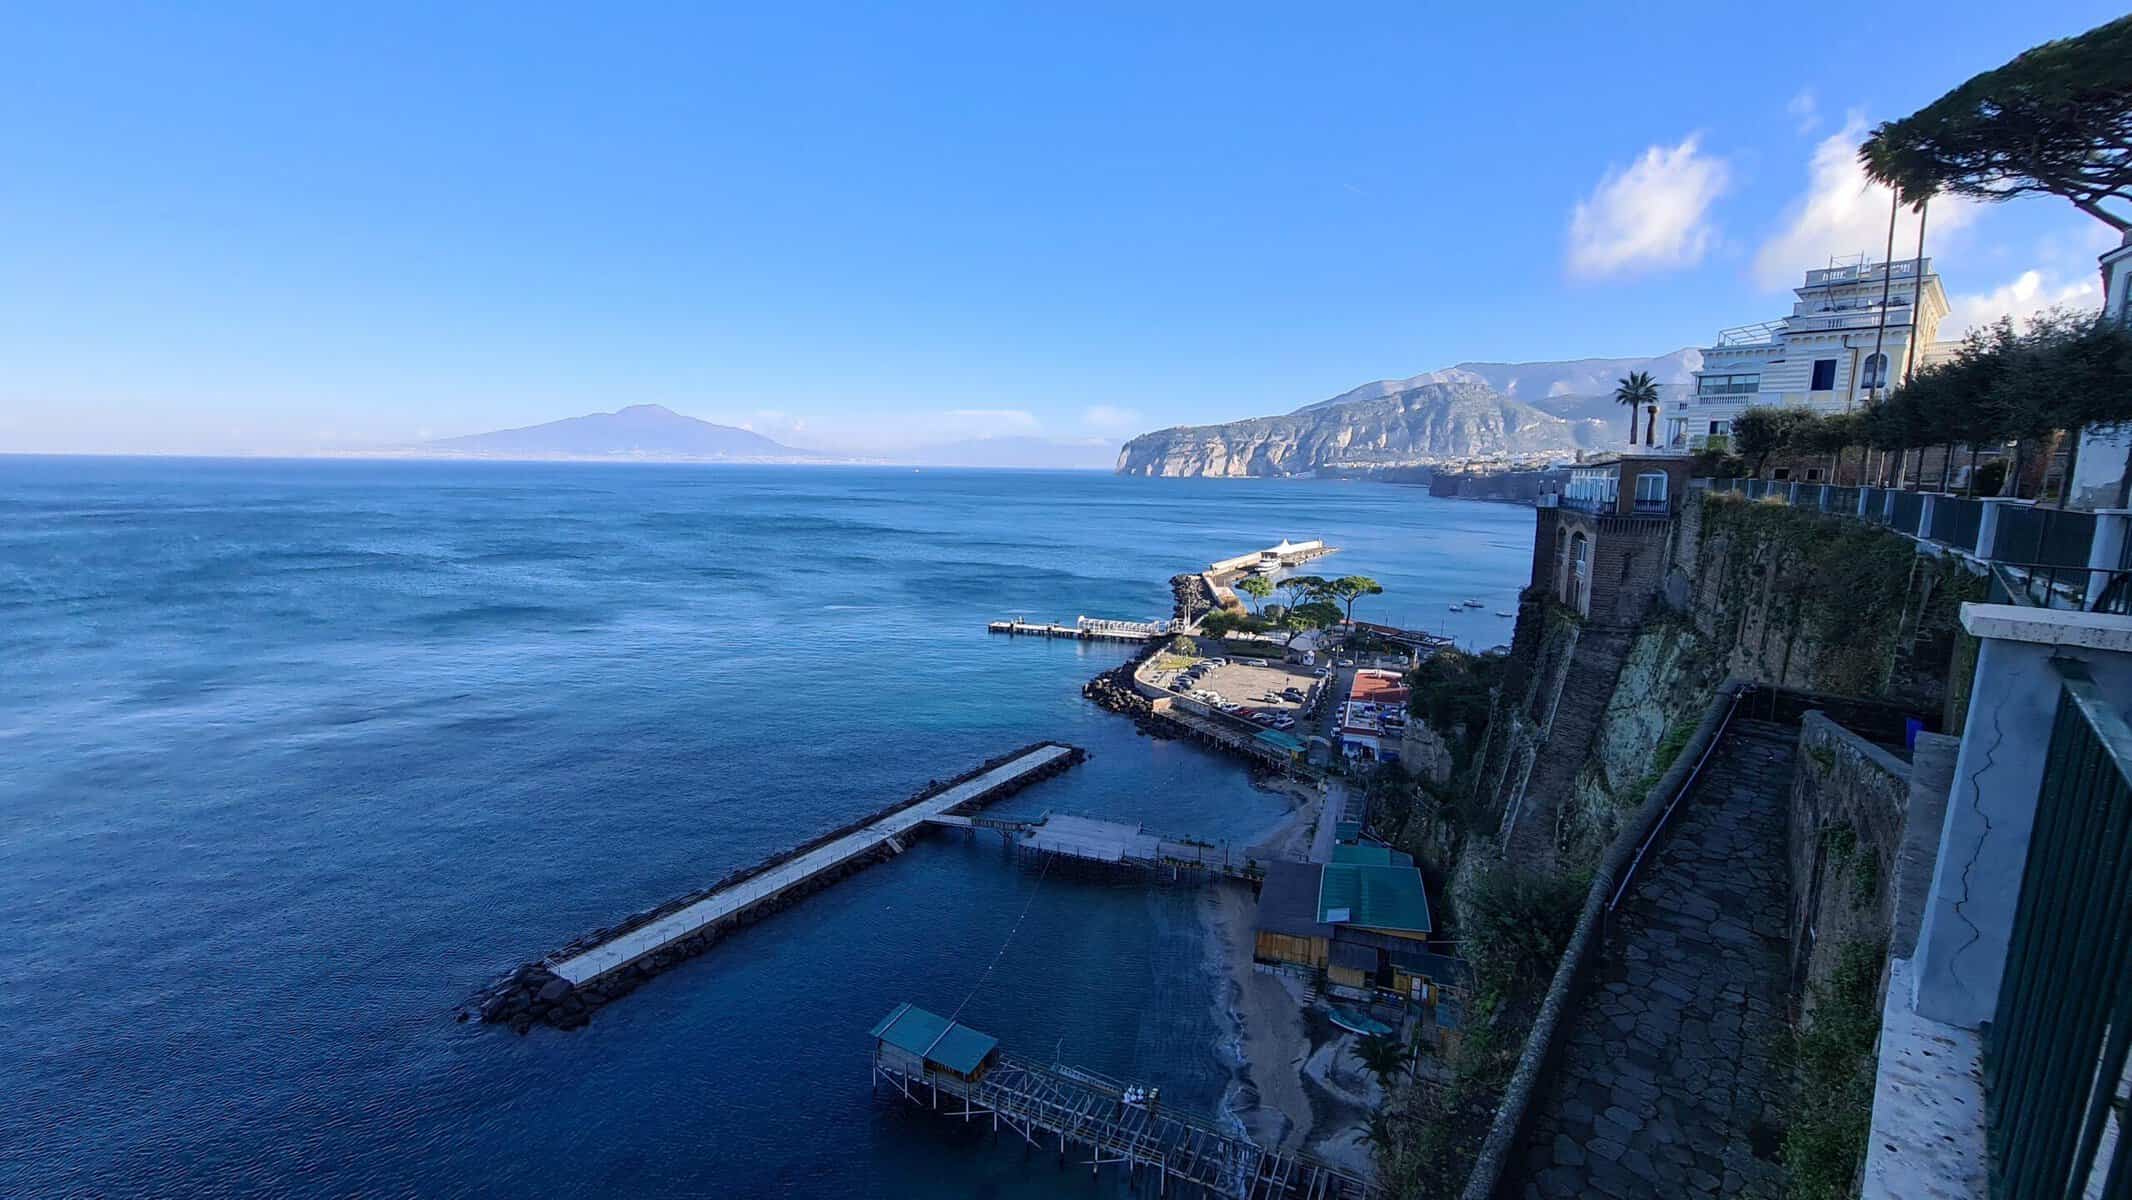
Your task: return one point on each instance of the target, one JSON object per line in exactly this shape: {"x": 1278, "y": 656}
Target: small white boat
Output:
{"x": 1473, "y": 604}
{"x": 1458, "y": 608}
{"x": 1506, "y": 614}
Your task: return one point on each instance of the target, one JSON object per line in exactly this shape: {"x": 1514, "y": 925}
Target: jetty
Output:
{"x": 1089, "y": 629}
{"x": 950, "y": 1068}
{"x": 565, "y": 986}
{"x": 1115, "y": 844}
{"x": 1270, "y": 559}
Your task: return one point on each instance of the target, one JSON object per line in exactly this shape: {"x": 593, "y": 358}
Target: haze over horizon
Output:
{"x": 254, "y": 231}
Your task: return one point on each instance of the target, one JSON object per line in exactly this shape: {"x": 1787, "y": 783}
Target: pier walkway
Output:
{"x": 1114, "y": 843}
{"x": 1089, "y": 629}
{"x": 649, "y": 938}
{"x": 927, "y": 1058}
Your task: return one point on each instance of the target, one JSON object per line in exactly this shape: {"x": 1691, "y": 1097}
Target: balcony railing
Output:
{"x": 2055, "y": 1052}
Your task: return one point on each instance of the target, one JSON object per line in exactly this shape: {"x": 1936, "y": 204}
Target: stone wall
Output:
{"x": 1849, "y": 812}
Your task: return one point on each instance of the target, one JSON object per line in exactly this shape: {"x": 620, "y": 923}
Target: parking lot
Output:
{"x": 1269, "y": 692}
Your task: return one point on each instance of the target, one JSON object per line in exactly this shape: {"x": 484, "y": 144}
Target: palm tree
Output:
{"x": 1349, "y": 588}
{"x": 1636, "y": 391}
{"x": 1383, "y": 1055}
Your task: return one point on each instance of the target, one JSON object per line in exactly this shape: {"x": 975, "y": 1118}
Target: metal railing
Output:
{"x": 2048, "y": 585}
{"x": 2055, "y": 1052}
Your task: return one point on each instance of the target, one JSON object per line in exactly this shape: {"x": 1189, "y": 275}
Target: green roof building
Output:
{"x": 914, "y": 1042}
{"x": 1376, "y": 888}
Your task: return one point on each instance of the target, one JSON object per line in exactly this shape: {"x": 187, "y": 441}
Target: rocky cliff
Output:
{"x": 1430, "y": 422}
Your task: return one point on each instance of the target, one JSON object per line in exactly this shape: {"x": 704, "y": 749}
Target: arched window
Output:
{"x": 1876, "y": 371}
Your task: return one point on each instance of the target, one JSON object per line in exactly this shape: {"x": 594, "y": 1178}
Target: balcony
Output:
{"x": 1899, "y": 316}
{"x": 1907, "y": 268}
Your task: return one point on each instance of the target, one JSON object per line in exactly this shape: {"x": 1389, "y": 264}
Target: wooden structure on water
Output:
{"x": 1088, "y": 629}
{"x": 1115, "y": 844}
{"x": 927, "y": 1058}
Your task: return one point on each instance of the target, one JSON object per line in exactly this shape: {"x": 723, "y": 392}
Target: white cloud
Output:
{"x": 1110, "y": 416}
{"x": 990, "y": 422}
{"x": 1805, "y": 111}
{"x": 1843, "y": 214}
{"x": 1652, "y": 214}
{"x": 2028, "y": 294}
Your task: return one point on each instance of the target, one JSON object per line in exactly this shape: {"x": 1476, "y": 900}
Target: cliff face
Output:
{"x": 1431, "y": 422}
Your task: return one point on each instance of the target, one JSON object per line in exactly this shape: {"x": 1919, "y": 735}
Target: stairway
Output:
{"x": 1569, "y": 722}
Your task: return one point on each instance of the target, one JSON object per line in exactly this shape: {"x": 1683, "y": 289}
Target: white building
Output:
{"x": 2106, "y": 455}
{"x": 1832, "y": 353}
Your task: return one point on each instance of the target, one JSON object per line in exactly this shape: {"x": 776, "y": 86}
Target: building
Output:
{"x": 1600, "y": 548}
{"x": 1373, "y": 718}
{"x": 1345, "y": 917}
{"x": 2105, "y": 458}
{"x": 920, "y": 1044}
{"x": 1839, "y": 347}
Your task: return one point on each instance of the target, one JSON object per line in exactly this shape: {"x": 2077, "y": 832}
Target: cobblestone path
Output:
{"x": 1669, "y": 1084}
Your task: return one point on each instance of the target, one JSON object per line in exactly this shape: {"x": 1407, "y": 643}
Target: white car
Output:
{"x": 1347, "y": 662}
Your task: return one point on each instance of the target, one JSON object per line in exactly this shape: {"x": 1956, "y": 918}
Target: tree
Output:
{"x": 1258, "y": 587}
{"x": 1383, "y": 1055}
{"x": 1349, "y": 588}
{"x": 2055, "y": 120}
{"x": 1301, "y": 618}
{"x": 1766, "y": 429}
{"x": 1222, "y": 622}
{"x": 1636, "y": 390}
{"x": 1296, "y": 589}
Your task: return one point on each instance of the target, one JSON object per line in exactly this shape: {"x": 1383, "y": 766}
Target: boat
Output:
{"x": 1458, "y": 608}
{"x": 1473, "y": 604}
{"x": 1506, "y": 614}
{"x": 1355, "y": 1022}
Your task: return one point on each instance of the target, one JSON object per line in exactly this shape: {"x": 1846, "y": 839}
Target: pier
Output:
{"x": 948, "y": 1067}
{"x": 563, "y": 987}
{"x": 1116, "y": 844}
{"x": 1088, "y": 629}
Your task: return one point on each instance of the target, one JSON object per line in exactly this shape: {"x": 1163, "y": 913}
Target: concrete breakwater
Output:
{"x": 563, "y": 988}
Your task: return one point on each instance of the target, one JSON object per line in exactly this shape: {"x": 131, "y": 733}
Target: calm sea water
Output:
{"x": 295, "y": 756}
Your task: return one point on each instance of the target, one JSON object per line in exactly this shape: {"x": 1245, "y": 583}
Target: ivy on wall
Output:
{"x": 1827, "y": 602}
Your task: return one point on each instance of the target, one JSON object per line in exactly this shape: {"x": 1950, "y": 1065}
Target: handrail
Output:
{"x": 1695, "y": 773}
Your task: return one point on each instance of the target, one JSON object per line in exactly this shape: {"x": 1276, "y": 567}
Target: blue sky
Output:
{"x": 282, "y": 228}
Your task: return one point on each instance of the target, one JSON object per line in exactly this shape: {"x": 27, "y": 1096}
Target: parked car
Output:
{"x": 1347, "y": 662}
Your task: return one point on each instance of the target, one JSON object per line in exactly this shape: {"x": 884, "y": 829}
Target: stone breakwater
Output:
{"x": 533, "y": 993}
{"x": 1113, "y": 690}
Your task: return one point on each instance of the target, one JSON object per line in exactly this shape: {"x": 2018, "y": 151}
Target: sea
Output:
{"x": 297, "y": 755}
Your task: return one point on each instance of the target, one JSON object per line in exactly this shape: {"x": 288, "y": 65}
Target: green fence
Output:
{"x": 2054, "y": 1056}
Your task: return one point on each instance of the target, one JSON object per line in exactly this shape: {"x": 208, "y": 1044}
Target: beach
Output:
{"x": 1298, "y": 1083}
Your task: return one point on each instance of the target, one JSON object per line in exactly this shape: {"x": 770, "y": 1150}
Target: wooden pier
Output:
{"x": 952, "y": 1069}
{"x": 1087, "y": 629}
{"x": 1116, "y": 844}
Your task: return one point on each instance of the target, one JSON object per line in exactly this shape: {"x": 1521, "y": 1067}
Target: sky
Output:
{"x": 295, "y": 228}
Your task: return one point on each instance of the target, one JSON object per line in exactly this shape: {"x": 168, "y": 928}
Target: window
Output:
{"x": 1824, "y": 375}
{"x": 1876, "y": 371}
{"x": 1727, "y": 385}
{"x": 1651, "y": 490}
{"x": 1720, "y": 429}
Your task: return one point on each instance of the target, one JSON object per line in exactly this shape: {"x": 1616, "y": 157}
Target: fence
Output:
{"x": 2048, "y": 557}
{"x": 2055, "y": 1052}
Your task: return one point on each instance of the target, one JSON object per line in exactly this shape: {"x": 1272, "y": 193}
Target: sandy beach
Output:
{"x": 1299, "y": 1084}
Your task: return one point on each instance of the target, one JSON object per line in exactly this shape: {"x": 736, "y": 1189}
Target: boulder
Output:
{"x": 554, "y": 990}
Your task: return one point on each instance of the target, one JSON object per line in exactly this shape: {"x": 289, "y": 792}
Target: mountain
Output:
{"x": 640, "y": 431}
{"x": 1580, "y": 389}
{"x": 1471, "y": 410}
{"x": 1427, "y": 423}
